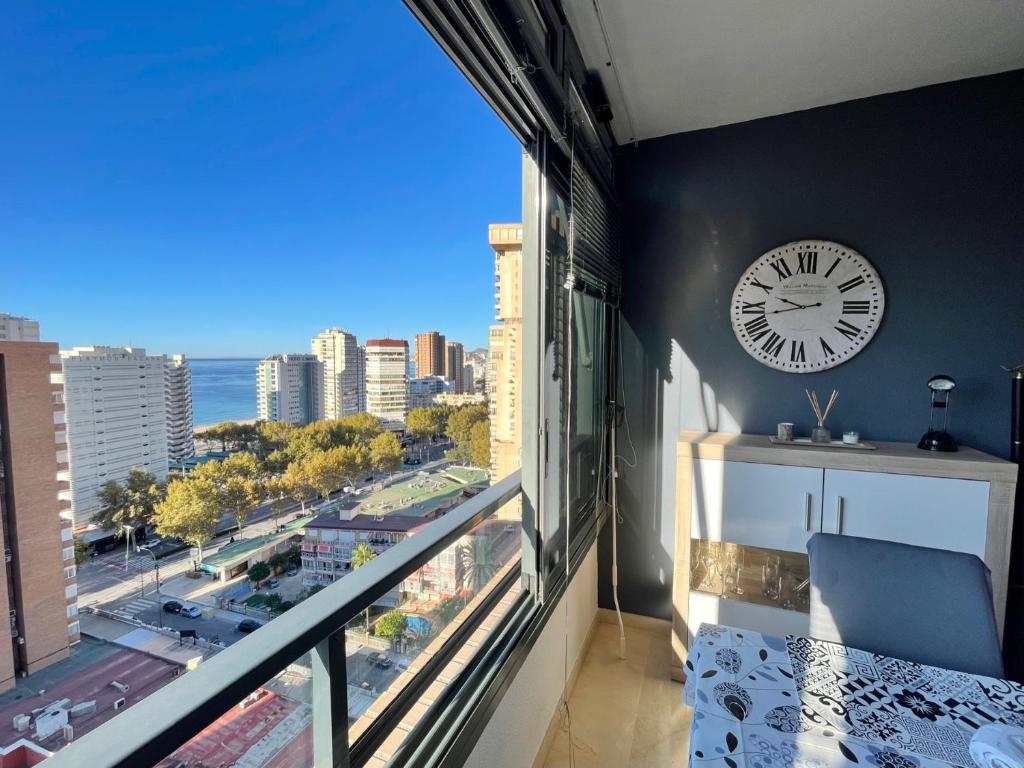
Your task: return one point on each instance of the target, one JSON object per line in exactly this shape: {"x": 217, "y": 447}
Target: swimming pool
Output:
{"x": 419, "y": 625}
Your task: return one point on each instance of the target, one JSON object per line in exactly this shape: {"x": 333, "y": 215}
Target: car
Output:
{"x": 248, "y": 625}
{"x": 191, "y": 612}
{"x": 172, "y": 606}
{"x": 412, "y": 462}
{"x": 273, "y": 583}
{"x": 292, "y": 570}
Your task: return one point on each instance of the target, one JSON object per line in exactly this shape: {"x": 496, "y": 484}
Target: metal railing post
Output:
{"x": 330, "y": 703}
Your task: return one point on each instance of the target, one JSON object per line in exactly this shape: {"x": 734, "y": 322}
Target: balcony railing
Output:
{"x": 149, "y": 731}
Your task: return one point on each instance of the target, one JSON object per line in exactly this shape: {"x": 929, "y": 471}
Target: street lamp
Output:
{"x": 128, "y": 531}
{"x": 156, "y": 568}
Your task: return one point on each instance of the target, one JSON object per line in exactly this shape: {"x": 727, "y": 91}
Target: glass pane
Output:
{"x": 271, "y": 728}
{"x": 751, "y": 574}
{"x": 391, "y": 642}
{"x": 586, "y": 405}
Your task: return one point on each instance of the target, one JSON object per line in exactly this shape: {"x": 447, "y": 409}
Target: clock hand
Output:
{"x": 802, "y": 306}
{"x": 794, "y": 309}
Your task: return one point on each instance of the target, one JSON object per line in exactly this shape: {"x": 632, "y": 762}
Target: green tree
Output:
{"x": 317, "y": 437}
{"x": 190, "y": 511}
{"x": 391, "y": 625}
{"x": 297, "y": 483}
{"x": 476, "y": 562}
{"x": 354, "y": 461}
{"x": 362, "y": 427}
{"x": 460, "y": 423}
{"x": 480, "y": 443}
{"x": 278, "y": 562}
{"x": 386, "y": 452}
{"x": 238, "y": 485}
{"x": 83, "y": 551}
{"x": 313, "y": 589}
{"x": 274, "y": 602}
{"x": 324, "y": 470}
{"x": 361, "y": 555}
{"x": 258, "y": 572}
{"x": 131, "y": 503}
{"x": 278, "y": 491}
{"x": 424, "y": 422}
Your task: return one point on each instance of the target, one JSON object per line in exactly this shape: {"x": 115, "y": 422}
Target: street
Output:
{"x": 219, "y": 626}
{"x": 103, "y": 581}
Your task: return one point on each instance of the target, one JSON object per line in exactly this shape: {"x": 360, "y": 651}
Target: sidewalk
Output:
{"x": 140, "y": 639}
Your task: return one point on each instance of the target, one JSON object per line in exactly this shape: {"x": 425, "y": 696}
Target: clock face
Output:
{"x": 807, "y": 306}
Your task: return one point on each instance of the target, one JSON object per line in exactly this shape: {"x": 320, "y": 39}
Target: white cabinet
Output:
{"x": 939, "y": 512}
{"x": 746, "y": 508}
{"x": 762, "y": 505}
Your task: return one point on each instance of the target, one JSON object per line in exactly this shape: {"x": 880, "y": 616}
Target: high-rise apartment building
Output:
{"x": 424, "y": 391}
{"x": 361, "y": 375}
{"x": 430, "y": 354}
{"x": 387, "y": 381}
{"x": 39, "y": 591}
{"x": 115, "y": 400}
{"x": 180, "y": 438}
{"x": 468, "y": 385}
{"x": 504, "y": 377}
{"x": 13, "y": 328}
{"x": 290, "y": 388}
{"x": 454, "y": 362}
{"x": 343, "y": 378}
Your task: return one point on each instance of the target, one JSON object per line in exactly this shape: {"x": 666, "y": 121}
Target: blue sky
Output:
{"x": 229, "y": 178}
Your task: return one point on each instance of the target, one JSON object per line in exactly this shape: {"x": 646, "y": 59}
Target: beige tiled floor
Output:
{"x": 624, "y": 713}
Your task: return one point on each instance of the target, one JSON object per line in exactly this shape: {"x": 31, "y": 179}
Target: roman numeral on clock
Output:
{"x": 850, "y": 284}
{"x": 773, "y": 345}
{"x": 825, "y": 348}
{"x": 753, "y": 308}
{"x": 796, "y": 352}
{"x": 757, "y": 328}
{"x": 830, "y": 269}
{"x": 849, "y": 330}
{"x": 808, "y": 262}
{"x": 856, "y": 307}
{"x": 782, "y": 269}
{"x": 762, "y": 286}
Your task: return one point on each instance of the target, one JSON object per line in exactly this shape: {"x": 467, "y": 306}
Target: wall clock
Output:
{"x": 807, "y": 306}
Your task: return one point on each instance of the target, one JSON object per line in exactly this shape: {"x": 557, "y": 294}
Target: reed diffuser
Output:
{"x": 821, "y": 434}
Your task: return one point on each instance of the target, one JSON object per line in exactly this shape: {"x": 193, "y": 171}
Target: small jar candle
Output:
{"x": 784, "y": 431}
{"x": 851, "y": 438}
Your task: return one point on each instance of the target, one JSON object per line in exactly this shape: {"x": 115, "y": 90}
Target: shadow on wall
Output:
{"x": 924, "y": 183}
{"x": 660, "y": 401}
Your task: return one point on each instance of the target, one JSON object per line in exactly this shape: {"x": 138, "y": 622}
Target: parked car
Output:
{"x": 273, "y": 583}
{"x": 412, "y": 462}
{"x": 248, "y": 625}
{"x": 191, "y": 612}
{"x": 292, "y": 570}
{"x": 172, "y": 606}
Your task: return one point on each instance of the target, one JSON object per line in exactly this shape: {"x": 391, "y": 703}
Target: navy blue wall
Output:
{"x": 928, "y": 184}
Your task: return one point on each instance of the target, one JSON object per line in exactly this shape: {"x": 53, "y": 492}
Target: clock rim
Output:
{"x": 863, "y": 345}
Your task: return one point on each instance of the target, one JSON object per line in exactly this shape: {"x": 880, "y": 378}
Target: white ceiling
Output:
{"x": 688, "y": 64}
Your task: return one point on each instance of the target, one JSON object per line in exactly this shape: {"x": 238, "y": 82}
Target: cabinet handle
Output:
{"x": 807, "y": 511}
{"x": 839, "y": 514}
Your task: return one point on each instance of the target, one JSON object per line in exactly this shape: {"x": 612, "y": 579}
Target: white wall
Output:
{"x": 515, "y": 732}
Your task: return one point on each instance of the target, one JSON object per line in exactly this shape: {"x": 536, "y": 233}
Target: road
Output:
{"x": 103, "y": 580}
{"x": 219, "y": 626}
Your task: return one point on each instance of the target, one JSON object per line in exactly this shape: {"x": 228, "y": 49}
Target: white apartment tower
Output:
{"x": 387, "y": 381}
{"x": 13, "y": 328}
{"x": 340, "y": 354}
{"x": 290, "y": 388}
{"x": 178, "y": 378}
{"x": 115, "y": 401}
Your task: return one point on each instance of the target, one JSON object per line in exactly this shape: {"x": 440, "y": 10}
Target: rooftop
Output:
{"x": 389, "y": 523}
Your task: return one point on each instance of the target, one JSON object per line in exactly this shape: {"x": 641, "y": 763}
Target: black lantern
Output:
{"x": 942, "y": 392}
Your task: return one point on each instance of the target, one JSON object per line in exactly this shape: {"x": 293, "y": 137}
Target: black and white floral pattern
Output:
{"x": 768, "y": 702}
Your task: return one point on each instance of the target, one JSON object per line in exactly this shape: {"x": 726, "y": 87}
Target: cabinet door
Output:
{"x": 761, "y": 505}
{"x": 926, "y": 511}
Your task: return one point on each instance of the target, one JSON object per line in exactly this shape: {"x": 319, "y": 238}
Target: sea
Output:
{"x": 222, "y": 390}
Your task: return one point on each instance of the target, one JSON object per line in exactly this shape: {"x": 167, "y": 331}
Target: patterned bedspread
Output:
{"x": 769, "y": 702}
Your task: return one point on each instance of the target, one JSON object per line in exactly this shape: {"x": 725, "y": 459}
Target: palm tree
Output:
{"x": 476, "y": 563}
{"x": 361, "y": 555}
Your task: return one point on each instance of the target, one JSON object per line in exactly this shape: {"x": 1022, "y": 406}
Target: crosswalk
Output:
{"x": 130, "y": 609}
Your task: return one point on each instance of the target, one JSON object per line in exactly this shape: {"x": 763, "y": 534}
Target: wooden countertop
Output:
{"x": 893, "y": 458}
